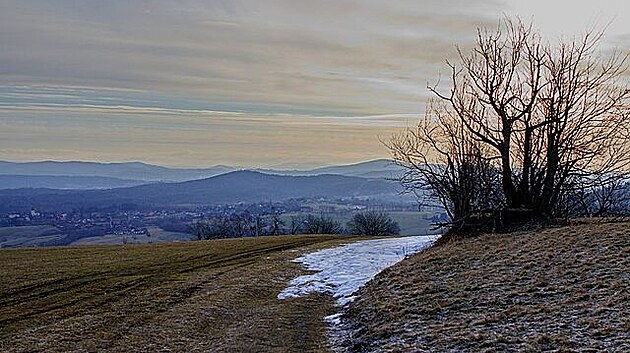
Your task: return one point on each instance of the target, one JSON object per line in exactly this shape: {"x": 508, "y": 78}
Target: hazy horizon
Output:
{"x": 296, "y": 84}
{"x": 285, "y": 166}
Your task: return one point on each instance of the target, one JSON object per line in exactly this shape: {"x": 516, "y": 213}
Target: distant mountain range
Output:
{"x": 378, "y": 168}
{"x": 94, "y": 175}
{"x": 65, "y": 182}
{"x": 232, "y": 187}
{"x": 127, "y": 170}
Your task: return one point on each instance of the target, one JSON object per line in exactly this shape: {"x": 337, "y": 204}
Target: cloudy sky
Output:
{"x": 289, "y": 83}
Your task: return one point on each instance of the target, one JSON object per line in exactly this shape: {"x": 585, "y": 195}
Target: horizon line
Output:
{"x": 219, "y": 165}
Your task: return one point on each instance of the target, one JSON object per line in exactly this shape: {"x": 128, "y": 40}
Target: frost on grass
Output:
{"x": 343, "y": 270}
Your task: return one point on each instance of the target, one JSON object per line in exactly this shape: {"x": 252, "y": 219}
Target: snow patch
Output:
{"x": 343, "y": 270}
{"x": 334, "y": 319}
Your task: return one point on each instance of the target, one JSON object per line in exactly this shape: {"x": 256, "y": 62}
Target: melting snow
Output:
{"x": 345, "y": 269}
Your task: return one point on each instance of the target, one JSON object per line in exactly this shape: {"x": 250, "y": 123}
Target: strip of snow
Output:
{"x": 345, "y": 269}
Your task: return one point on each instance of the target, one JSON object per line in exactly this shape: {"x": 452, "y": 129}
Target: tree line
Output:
{"x": 249, "y": 225}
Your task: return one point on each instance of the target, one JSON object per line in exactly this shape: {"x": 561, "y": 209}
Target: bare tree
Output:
{"x": 213, "y": 228}
{"x": 522, "y": 112}
{"x": 321, "y": 225}
{"x": 444, "y": 163}
{"x": 296, "y": 224}
{"x": 276, "y": 224}
{"x": 258, "y": 226}
{"x": 373, "y": 223}
{"x": 600, "y": 196}
{"x": 239, "y": 224}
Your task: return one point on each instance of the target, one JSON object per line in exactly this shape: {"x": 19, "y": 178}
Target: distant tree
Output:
{"x": 197, "y": 229}
{"x": 611, "y": 197}
{"x": 276, "y": 226}
{"x": 296, "y": 225}
{"x": 599, "y": 196}
{"x": 373, "y": 223}
{"x": 213, "y": 228}
{"x": 258, "y": 226}
{"x": 239, "y": 224}
{"x": 321, "y": 225}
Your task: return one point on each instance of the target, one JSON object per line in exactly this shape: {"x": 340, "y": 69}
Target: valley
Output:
{"x": 162, "y": 210}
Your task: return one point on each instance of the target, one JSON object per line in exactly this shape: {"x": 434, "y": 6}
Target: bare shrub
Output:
{"x": 373, "y": 223}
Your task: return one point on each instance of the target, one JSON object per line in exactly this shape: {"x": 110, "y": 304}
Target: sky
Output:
{"x": 251, "y": 83}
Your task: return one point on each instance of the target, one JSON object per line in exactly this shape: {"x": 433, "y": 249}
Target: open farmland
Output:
{"x": 27, "y": 235}
{"x": 158, "y": 235}
{"x": 195, "y": 296}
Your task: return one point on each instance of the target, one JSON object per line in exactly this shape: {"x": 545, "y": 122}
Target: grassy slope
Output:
{"x": 565, "y": 288}
{"x": 193, "y": 296}
{"x": 158, "y": 235}
{"x": 27, "y": 235}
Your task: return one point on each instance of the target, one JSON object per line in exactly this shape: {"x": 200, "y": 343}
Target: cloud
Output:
{"x": 348, "y": 57}
{"x": 187, "y": 137}
{"x": 614, "y": 15}
{"x": 225, "y": 81}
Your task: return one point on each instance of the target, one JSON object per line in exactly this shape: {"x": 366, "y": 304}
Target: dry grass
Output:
{"x": 562, "y": 290}
{"x": 23, "y": 236}
{"x": 217, "y": 296}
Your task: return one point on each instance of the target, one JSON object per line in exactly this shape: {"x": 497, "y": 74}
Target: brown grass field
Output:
{"x": 25, "y": 236}
{"x": 209, "y": 296}
{"x": 556, "y": 290}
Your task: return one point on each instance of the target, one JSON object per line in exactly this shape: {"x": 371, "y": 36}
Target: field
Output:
{"x": 191, "y": 296}
{"x": 31, "y": 236}
{"x": 27, "y": 235}
{"x": 560, "y": 289}
{"x": 158, "y": 235}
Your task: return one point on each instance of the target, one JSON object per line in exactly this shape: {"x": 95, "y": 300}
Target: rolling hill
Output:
{"x": 375, "y": 169}
{"x": 65, "y": 182}
{"x": 126, "y": 170}
{"x": 233, "y": 187}
{"x": 145, "y": 173}
{"x": 378, "y": 168}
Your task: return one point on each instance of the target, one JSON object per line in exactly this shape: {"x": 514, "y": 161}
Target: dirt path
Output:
{"x": 216, "y": 296}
